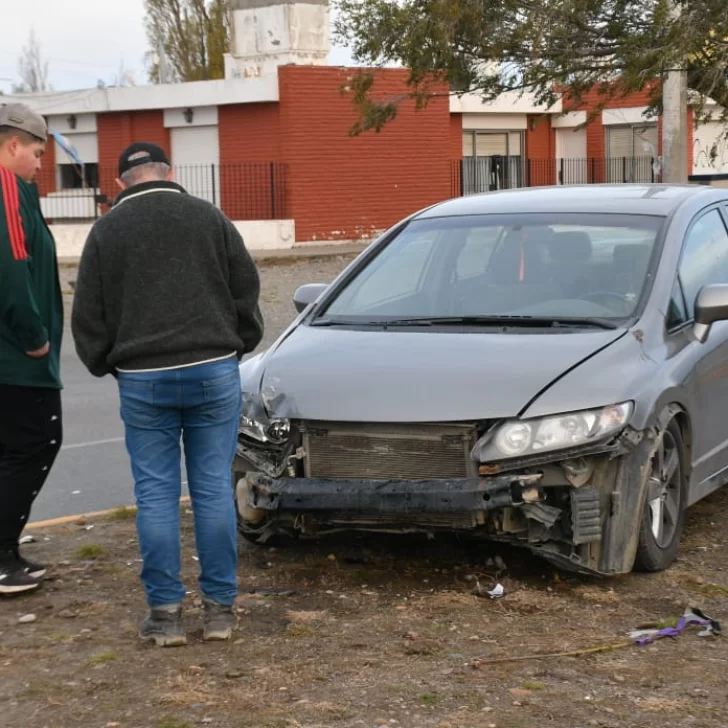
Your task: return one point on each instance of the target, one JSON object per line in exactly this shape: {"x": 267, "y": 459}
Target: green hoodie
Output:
{"x": 31, "y": 304}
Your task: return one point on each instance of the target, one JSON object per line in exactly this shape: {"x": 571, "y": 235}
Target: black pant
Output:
{"x": 30, "y": 438}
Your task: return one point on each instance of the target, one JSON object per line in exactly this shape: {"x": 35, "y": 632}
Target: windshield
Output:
{"x": 543, "y": 266}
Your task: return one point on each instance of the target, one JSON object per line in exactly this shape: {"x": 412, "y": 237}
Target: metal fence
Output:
{"x": 472, "y": 175}
{"x": 243, "y": 191}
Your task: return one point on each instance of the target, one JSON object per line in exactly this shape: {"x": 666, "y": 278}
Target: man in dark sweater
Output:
{"x": 167, "y": 301}
{"x": 31, "y": 325}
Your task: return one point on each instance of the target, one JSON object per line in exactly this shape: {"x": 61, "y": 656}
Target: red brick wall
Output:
{"x": 456, "y": 135}
{"x": 343, "y": 187}
{"x": 252, "y": 180}
{"x": 119, "y": 129}
{"x": 249, "y": 133}
{"x": 540, "y": 151}
{"x": 46, "y": 178}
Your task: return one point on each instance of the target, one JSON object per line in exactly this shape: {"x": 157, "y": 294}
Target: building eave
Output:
{"x": 153, "y": 97}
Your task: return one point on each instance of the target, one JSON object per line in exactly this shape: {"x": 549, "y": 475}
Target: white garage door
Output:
{"x": 571, "y": 162}
{"x": 196, "y": 160}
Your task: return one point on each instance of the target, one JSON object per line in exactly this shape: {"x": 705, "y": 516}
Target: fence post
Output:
{"x": 272, "y": 192}
{"x": 528, "y": 172}
{"x": 561, "y": 171}
{"x": 214, "y": 190}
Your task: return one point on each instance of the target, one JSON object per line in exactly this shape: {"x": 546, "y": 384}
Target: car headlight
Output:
{"x": 255, "y": 424}
{"x": 520, "y": 438}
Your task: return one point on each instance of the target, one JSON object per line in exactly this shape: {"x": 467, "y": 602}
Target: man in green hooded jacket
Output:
{"x": 31, "y": 326}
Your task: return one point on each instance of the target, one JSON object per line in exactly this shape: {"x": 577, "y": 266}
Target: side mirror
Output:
{"x": 711, "y": 305}
{"x": 307, "y": 294}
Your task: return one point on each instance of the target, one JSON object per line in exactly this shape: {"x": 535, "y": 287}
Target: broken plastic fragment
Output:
{"x": 27, "y": 539}
{"x": 496, "y": 592}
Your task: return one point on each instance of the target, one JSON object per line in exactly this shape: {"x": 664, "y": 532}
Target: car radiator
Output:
{"x": 388, "y": 452}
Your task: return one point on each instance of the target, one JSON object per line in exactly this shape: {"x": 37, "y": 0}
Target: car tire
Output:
{"x": 663, "y": 513}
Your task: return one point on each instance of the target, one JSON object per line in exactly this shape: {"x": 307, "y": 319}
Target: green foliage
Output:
{"x": 194, "y": 36}
{"x": 490, "y": 47}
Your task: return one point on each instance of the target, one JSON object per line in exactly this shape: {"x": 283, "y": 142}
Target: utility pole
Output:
{"x": 675, "y": 120}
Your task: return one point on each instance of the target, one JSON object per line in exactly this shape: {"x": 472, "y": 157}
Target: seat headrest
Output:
{"x": 571, "y": 247}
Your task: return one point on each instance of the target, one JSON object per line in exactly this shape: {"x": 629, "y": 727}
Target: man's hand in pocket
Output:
{"x": 39, "y": 353}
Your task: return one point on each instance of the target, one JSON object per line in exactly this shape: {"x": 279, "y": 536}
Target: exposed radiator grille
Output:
{"x": 387, "y": 452}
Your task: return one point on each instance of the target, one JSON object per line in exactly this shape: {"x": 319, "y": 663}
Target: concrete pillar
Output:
{"x": 675, "y": 127}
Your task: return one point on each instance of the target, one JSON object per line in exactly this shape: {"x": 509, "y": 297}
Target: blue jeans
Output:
{"x": 199, "y": 405}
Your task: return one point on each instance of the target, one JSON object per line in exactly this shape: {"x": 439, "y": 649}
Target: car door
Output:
{"x": 704, "y": 261}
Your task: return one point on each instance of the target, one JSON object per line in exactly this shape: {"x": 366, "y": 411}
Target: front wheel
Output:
{"x": 665, "y": 501}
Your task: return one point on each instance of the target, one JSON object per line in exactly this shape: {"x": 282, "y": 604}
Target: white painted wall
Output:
{"x": 267, "y": 234}
{"x": 705, "y": 138}
{"x": 257, "y": 234}
{"x": 201, "y": 116}
{"x": 508, "y": 103}
{"x": 630, "y": 115}
{"x": 493, "y": 121}
{"x": 267, "y": 35}
{"x": 568, "y": 120}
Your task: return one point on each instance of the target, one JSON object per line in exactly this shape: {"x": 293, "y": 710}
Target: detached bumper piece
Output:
{"x": 400, "y": 497}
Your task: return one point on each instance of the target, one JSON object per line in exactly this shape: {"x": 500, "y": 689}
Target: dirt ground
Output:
{"x": 365, "y": 631}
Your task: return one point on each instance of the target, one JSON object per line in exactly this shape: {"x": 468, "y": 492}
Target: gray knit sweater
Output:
{"x": 165, "y": 280}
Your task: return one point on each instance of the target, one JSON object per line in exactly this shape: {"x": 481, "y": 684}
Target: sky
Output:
{"x": 84, "y": 41}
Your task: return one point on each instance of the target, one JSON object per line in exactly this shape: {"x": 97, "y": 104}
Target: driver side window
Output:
{"x": 704, "y": 258}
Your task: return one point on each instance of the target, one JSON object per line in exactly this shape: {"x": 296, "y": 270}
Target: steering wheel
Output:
{"x": 600, "y": 296}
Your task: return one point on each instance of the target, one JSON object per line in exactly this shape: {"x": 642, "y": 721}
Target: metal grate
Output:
{"x": 387, "y": 452}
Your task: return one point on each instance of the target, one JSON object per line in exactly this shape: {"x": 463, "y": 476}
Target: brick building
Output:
{"x": 271, "y": 142}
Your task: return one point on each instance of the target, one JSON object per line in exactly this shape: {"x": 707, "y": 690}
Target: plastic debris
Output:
{"x": 27, "y": 539}
{"x": 480, "y": 591}
{"x": 692, "y": 616}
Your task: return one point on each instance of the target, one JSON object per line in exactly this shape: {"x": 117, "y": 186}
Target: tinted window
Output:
{"x": 705, "y": 256}
{"x": 576, "y": 265}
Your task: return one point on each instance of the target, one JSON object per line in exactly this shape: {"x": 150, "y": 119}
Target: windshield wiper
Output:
{"x": 525, "y": 321}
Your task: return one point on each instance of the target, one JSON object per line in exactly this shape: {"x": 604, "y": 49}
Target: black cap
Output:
{"x": 141, "y": 153}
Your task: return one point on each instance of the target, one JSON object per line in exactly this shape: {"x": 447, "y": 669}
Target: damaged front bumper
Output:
{"x": 576, "y": 508}
{"x": 408, "y": 499}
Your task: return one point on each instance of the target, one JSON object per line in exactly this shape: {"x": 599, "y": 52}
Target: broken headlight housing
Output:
{"x": 255, "y": 424}
{"x": 523, "y": 438}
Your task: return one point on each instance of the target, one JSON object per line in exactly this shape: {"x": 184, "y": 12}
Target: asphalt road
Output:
{"x": 92, "y": 471}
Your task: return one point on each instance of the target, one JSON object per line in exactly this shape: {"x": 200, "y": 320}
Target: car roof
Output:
{"x": 635, "y": 199}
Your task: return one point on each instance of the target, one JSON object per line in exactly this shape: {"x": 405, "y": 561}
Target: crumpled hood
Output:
{"x": 337, "y": 374}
